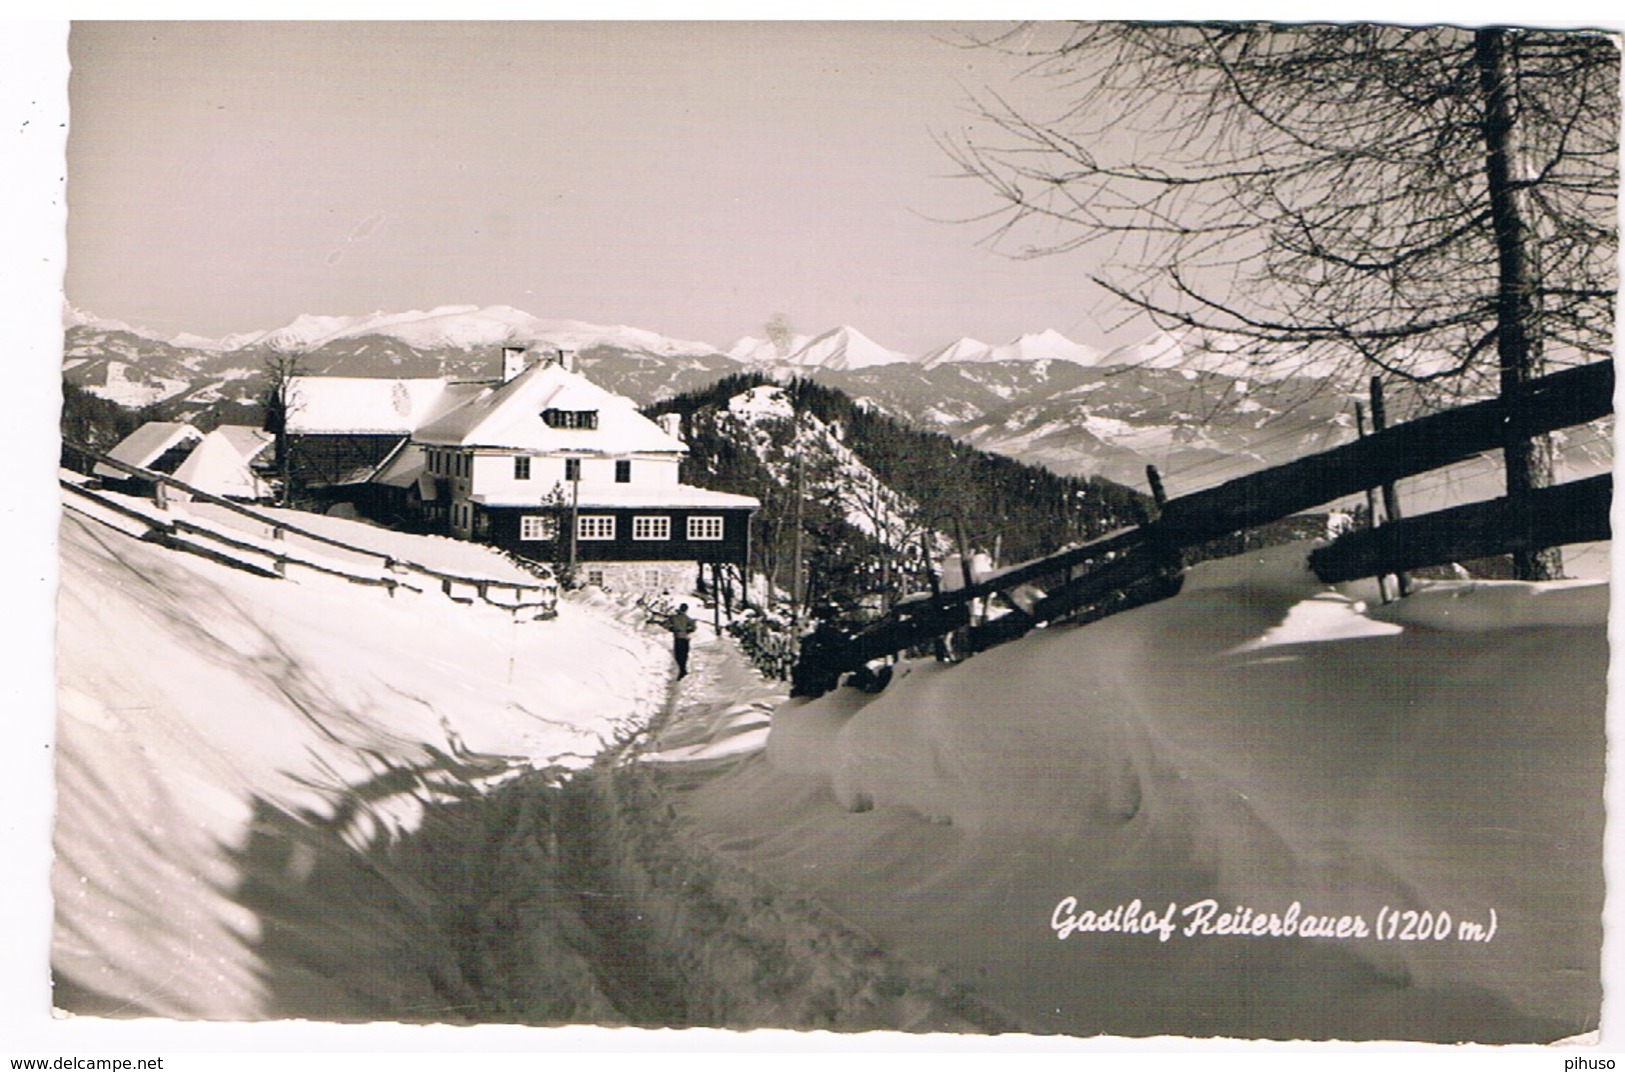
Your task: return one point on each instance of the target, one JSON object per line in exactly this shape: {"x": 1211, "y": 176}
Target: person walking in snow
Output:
{"x": 682, "y": 628}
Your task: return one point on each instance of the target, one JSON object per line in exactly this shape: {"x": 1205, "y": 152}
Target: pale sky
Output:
{"x": 688, "y": 178}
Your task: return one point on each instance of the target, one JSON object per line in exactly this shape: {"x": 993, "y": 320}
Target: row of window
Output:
{"x": 602, "y": 527}
{"x": 570, "y": 418}
{"x": 572, "y": 469}
{"x": 448, "y": 463}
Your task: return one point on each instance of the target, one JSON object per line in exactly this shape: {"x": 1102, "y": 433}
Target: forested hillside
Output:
{"x": 879, "y": 501}
{"x": 96, "y": 422}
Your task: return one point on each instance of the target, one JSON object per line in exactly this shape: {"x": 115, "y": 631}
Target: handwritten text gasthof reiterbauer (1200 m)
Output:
{"x": 1201, "y": 919}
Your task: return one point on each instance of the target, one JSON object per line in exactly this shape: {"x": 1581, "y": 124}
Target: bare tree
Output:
{"x": 1437, "y": 202}
{"x": 896, "y": 524}
{"x": 280, "y": 369}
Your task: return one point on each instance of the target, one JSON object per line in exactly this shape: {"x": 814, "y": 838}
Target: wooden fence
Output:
{"x": 274, "y": 557}
{"x": 1135, "y": 566}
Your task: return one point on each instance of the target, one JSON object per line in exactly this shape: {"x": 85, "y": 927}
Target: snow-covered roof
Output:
{"x": 402, "y": 467}
{"x": 248, "y": 440}
{"x": 353, "y": 405}
{"x": 610, "y": 496}
{"x": 147, "y": 444}
{"x": 217, "y": 467}
{"x": 510, "y": 417}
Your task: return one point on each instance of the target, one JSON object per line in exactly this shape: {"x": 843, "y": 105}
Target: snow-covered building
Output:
{"x": 160, "y": 446}
{"x": 542, "y": 462}
{"x": 230, "y": 462}
{"x": 339, "y": 429}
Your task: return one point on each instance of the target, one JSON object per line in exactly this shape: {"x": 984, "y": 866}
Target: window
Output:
{"x": 538, "y": 527}
{"x": 595, "y": 527}
{"x": 651, "y": 528}
{"x": 595, "y": 577}
{"x": 705, "y": 528}
{"x": 570, "y": 418}
{"x": 521, "y": 467}
{"x": 572, "y": 468}
{"x": 623, "y": 472}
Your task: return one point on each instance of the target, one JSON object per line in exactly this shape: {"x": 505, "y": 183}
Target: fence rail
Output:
{"x": 1135, "y": 566}
{"x": 187, "y": 534}
{"x": 1576, "y": 512}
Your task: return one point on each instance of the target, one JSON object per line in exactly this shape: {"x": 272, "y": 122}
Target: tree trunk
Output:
{"x": 1529, "y": 461}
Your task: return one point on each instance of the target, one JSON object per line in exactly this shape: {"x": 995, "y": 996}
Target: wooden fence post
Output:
{"x": 966, "y": 577}
{"x": 716, "y": 598}
{"x": 1154, "y": 478}
{"x": 1370, "y": 499}
{"x": 1390, "y": 497}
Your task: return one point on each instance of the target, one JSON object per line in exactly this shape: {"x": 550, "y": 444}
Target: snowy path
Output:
{"x": 722, "y": 710}
{"x": 307, "y": 799}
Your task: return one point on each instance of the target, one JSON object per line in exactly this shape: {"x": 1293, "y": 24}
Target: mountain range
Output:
{"x": 473, "y": 328}
{"x": 1199, "y": 408}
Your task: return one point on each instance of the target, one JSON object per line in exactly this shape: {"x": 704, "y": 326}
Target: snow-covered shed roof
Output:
{"x": 402, "y": 467}
{"x": 246, "y": 439}
{"x": 219, "y": 468}
{"x": 353, "y": 405}
{"x": 510, "y": 417}
{"x": 146, "y": 445}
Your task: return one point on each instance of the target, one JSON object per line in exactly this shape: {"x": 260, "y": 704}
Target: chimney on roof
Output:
{"x": 567, "y": 359}
{"x": 671, "y": 424}
{"x": 513, "y": 362}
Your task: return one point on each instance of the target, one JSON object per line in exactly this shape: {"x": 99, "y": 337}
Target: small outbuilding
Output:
{"x": 160, "y": 446}
{"x": 223, "y": 463}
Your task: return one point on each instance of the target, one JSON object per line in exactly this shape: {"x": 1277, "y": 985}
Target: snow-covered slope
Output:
{"x": 230, "y": 748}
{"x": 1259, "y": 748}
{"x": 762, "y": 421}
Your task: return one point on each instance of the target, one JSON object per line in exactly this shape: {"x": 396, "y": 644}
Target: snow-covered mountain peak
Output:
{"x": 1048, "y": 343}
{"x": 1160, "y": 349}
{"x": 965, "y": 349}
{"x": 461, "y": 327}
{"x": 844, "y": 348}
{"x": 753, "y": 350}
{"x": 75, "y": 317}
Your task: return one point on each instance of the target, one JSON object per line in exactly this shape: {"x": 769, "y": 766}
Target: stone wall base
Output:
{"x": 642, "y": 578}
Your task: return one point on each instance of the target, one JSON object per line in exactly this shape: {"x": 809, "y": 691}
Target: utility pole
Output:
{"x": 575, "y": 505}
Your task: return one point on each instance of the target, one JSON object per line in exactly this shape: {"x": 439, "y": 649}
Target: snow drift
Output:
{"x": 232, "y": 751}
{"x": 1260, "y": 746}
